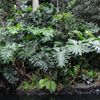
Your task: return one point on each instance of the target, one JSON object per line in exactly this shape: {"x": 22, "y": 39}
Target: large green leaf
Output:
{"x": 61, "y": 56}
{"x": 48, "y": 84}
{"x": 96, "y": 45}
{"x": 78, "y": 47}
{"x": 8, "y": 51}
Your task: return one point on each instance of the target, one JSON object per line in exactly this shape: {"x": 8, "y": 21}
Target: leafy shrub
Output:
{"x": 67, "y": 23}
{"x": 42, "y": 17}
{"x": 90, "y": 12}
{"x": 8, "y": 52}
{"x": 89, "y": 76}
{"x": 60, "y": 51}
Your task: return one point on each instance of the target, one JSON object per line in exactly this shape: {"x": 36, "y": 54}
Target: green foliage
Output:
{"x": 72, "y": 4}
{"x": 67, "y": 24}
{"x": 11, "y": 75}
{"x": 90, "y": 12}
{"x": 89, "y": 76}
{"x": 32, "y": 83}
{"x": 48, "y": 84}
{"x": 42, "y": 17}
{"x": 61, "y": 56}
{"x": 73, "y": 71}
{"x": 92, "y": 27}
{"x": 46, "y": 33}
{"x": 7, "y": 52}
{"x": 67, "y": 74}
{"x": 42, "y": 61}
{"x": 14, "y": 29}
{"x": 96, "y": 45}
{"x": 5, "y": 10}
{"x": 65, "y": 21}
{"x": 82, "y": 36}
{"x": 6, "y": 5}
{"x": 78, "y": 47}
{"x": 52, "y": 45}
{"x": 26, "y": 85}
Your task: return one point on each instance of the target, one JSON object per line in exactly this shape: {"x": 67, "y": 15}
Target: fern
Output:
{"x": 48, "y": 34}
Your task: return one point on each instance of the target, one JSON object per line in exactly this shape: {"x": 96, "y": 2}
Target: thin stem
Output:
{"x": 21, "y": 71}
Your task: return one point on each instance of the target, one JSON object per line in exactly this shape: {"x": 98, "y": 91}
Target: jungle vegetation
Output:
{"x": 50, "y": 44}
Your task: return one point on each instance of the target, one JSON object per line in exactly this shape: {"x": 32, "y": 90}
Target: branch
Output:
{"x": 74, "y": 79}
{"x": 21, "y": 72}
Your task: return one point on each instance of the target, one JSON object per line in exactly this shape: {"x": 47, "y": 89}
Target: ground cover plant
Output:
{"x": 49, "y": 50}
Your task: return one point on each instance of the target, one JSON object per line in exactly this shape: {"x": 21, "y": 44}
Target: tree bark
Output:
{"x": 19, "y": 4}
{"x": 35, "y": 4}
{"x": 59, "y": 5}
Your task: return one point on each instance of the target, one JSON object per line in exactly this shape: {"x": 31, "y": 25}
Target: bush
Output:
{"x": 88, "y": 10}
{"x": 58, "y": 53}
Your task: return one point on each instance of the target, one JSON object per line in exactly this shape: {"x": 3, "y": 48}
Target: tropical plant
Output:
{"x": 49, "y": 84}
{"x": 67, "y": 23}
{"x": 11, "y": 75}
{"x": 56, "y": 46}
{"x": 61, "y": 55}
{"x": 89, "y": 76}
{"x": 78, "y": 47}
{"x": 8, "y": 52}
{"x": 42, "y": 61}
{"x": 38, "y": 18}
{"x": 90, "y": 12}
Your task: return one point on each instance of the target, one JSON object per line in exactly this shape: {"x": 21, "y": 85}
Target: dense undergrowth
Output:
{"x": 44, "y": 49}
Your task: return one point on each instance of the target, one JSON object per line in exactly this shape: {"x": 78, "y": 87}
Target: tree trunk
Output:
{"x": 59, "y": 5}
{"x": 18, "y": 4}
{"x": 35, "y": 4}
